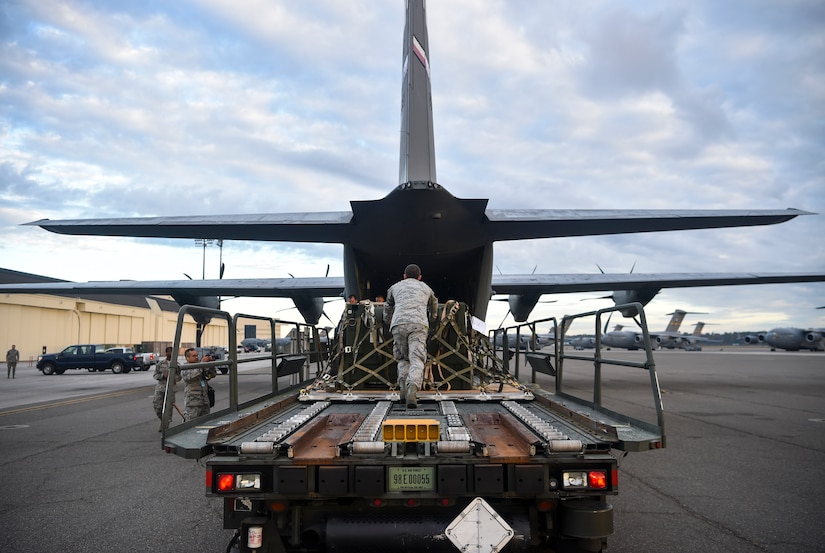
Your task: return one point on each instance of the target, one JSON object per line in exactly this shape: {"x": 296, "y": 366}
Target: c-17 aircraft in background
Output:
{"x": 632, "y": 340}
{"x": 683, "y": 341}
{"x": 790, "y": 339}
{"x": 419, "y": 221}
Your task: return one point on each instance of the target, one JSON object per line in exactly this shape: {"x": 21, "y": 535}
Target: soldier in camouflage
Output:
{"x": 410, "y": 307}
{"x": 195, "y": 395}
{"x": 162, "y": 375}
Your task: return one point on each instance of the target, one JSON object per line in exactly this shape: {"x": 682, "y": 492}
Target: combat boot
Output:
{"x": 412, "y": 400}
{"x": 402, "y": 388}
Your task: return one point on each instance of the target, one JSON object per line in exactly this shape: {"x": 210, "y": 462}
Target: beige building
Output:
{"x": 33, "y": 322}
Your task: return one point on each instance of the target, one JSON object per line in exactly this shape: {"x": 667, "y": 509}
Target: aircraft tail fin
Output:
{"x": 417, "y": 160}
{"x": 675, "y": 321}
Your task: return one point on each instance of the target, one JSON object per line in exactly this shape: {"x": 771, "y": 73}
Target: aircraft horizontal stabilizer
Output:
{"x": 519, "y": 224}
{"x": 321, "y": 227}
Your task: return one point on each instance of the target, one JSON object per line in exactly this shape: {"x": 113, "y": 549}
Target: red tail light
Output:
{"x": 597, "y": 479}
{"x": 226, "y": 482}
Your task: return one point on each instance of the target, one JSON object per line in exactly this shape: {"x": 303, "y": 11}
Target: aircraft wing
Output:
{"x": 519, "y": 224}
{"x": 262, "y": 288}
{"x": 567, "y": 283}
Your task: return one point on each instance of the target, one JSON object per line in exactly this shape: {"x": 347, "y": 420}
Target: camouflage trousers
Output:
{"x": 160, "y": 392}
{"x": 196, "y": 399}
{"x": 409, "y": 347}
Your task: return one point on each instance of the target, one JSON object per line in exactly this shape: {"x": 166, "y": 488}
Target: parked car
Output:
{"x": 146, "y": 359}
{"x": 90, "y": 357}
{"x": 254, "y": 344}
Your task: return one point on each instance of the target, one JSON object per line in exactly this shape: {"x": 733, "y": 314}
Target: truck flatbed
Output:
{"x": 487, "y": 417}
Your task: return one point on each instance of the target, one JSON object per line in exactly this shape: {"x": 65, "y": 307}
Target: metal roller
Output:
{"x": 565, "y": 445}
{"x": 368, "y": 447}
{"x": 453, "y": 447}
{"x": 257, "y": 447}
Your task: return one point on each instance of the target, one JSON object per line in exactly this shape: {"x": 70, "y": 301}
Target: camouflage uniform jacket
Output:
{"x": 410, "y": 301}
{"x": 162, "y": 375}
{"x": 195, "y": 396}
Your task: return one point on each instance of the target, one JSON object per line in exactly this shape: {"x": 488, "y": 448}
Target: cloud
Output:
{"x": 205, "y": 107}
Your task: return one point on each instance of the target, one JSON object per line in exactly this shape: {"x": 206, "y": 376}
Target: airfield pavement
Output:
{"x": 742, "y": 471}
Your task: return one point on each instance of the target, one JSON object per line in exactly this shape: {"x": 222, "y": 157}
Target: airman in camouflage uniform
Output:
{"x": 162, "y": 375}
{"x": 12, "y": 358}
{"x": 195, "y": 395}
{"x": 409, "y": 308}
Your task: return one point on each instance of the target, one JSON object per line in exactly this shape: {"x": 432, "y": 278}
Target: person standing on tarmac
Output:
{"x": 162, "y": 375}
{"x": 410, "y": 307}
{"x": 196, "y": 396}
{"x": 12, "y": 358}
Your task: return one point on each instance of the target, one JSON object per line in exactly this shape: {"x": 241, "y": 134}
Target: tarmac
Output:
{"x": 742, "y": 471}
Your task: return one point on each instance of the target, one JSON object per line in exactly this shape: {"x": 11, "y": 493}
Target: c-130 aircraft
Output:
{"x": 420, "y": 222}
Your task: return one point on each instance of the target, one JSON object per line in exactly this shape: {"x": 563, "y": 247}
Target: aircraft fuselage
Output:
{"x": 421, "y": 223}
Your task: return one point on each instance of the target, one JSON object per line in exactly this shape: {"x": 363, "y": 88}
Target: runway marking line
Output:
{"x": 71, "y": 401}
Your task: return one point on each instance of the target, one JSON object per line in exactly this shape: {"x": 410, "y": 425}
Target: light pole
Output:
{"x": 220, "y": 259}
{"x": 206, "y": 242}
{"x": 220, "y": 267}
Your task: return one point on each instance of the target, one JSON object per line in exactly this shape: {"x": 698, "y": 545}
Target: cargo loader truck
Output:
{"x": 485, "y": 463}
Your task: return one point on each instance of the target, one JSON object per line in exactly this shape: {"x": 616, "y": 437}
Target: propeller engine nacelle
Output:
{"x": 642, "y": 295}
{"x": 311, "y": 308}
{"x": 521, "y": 305}
{"x": 210, "y": 302}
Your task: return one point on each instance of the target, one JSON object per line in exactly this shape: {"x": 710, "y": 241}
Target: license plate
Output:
{"x": 418, "y": 479}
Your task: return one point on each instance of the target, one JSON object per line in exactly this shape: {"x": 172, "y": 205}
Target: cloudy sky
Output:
{"x": 201, "y": 107}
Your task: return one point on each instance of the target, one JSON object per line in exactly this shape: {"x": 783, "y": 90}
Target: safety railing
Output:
{"x": 526, "y": 339}
{"x": 552, "y": 362}
{"x": 599, "y": 360}
{"x": 305, "y": 351}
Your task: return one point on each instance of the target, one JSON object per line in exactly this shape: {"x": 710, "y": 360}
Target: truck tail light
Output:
{"x": 597, "y": 479}
{"x": 229, "y": 482}
{"x": 584, "y": 480}
{"x": 226, "y": 482}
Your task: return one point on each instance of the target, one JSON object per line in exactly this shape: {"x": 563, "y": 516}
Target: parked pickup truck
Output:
{"x": 90, "y": 357}
{"x": 146, "y": 359}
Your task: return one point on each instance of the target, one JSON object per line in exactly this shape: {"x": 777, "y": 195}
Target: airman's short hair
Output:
{"x": 412, "y": 271}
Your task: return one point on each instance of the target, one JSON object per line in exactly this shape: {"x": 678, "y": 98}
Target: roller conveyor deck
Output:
{"x": 509, "y": 426}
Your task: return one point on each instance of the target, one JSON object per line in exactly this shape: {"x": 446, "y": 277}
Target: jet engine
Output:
{"x": 755, "y": 339}
{"x": 813, "y": 337}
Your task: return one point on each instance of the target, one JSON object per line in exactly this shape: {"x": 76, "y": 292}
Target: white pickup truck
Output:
{"x": 147, "y": 359}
